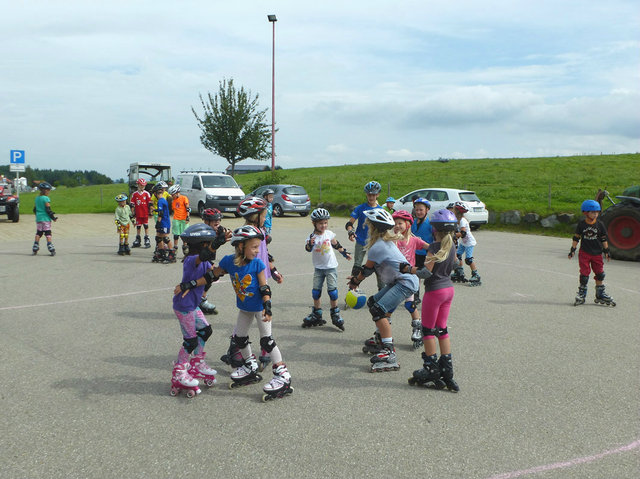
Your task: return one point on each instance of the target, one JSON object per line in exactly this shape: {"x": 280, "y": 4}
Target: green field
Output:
{"x": 538, "y": 185}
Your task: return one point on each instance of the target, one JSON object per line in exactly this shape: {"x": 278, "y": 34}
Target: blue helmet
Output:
{"x": 44, "y": 186}
{"x": 121, "y": 197}
{"x": 198, "y": 233}
{"x": 391, "y": 199}
{"x": 373, "y": 188}
{"x": 444, "y": 220}
{"x": 422, "y": 200}
{"x": 590, "y": 205}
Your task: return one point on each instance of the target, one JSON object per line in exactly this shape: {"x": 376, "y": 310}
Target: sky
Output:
{"x": 97, "y": 85}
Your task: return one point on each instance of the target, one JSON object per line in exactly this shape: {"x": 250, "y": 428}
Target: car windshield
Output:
{"x": 468, "y": 196}
{"x": 294, "y": 190}
{"x": 211, "y": 181}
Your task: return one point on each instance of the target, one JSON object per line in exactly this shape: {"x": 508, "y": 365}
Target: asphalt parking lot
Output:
{"x": 87, "y": 339}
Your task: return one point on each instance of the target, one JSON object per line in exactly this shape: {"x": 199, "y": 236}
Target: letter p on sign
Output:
{"x": 17, "y": 157}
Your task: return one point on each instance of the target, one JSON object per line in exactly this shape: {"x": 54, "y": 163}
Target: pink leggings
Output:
{"x": 435, "y": 310}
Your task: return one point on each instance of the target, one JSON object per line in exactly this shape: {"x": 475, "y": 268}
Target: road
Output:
{"x": 87, "y": 339}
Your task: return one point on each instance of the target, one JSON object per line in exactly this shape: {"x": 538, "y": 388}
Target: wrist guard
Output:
{"x": 275, "y": 273}
{"x": 606, "y": 251}
{"x": 354, "y": 282}
{"x": 308, "y": 247}
{"x": 352, "y": 234}
{"x": 573, "y": 250}
{"x": 423, "y": 273}
{"x": 265, "y": 290}
{"x": 267, "y": 307}
{"x": 404, "y": 268}
{"x": 344, "y": 253}
{"x": 188, "y": 285}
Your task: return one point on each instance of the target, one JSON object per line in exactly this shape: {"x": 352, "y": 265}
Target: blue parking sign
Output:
{"x": 17, "y": 157}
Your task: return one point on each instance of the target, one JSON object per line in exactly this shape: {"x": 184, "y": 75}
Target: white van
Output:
{"x": 206, "y": 189}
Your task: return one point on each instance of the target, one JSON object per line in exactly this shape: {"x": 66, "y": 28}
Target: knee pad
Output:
{"x": 442, "y": 332}
{"x": 158, "y": 240}
{"x": 410, "y": 306}
{"x": 459, "y": 256}
{"x": 47, "y": 233}
{"x": 316, "y": 293}
{"x": 333, "y": 294}
{"x": 429, "y": 332}
{"x": 166, "y": 240}
{"x": 190, "y": 344}
{"x": 599, "y": 276}
{"x": 377, "y": 313}
{"x": 204, "y": 333}
{"x": 267, "y": 343}
{"x": 370, "y": 301}
{"x": 241, "y": 341}
{"x": 584, "y": 280}
{"x": 468, "y": 260}
{"x": 39, "y": 233}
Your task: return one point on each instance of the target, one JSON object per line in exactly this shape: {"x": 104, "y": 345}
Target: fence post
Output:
{"x": 320, "y": 192}
{"x": 388, "y": 189}
{"x": 101, "y": 197}
{"x": 549, "y": 197}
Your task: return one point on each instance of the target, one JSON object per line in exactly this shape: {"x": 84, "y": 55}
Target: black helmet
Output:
{"x": 198, "y": 233}
{"x": 44, "y": 186}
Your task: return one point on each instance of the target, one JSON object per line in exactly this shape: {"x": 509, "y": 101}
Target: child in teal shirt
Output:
{"x": 44, "y": 216}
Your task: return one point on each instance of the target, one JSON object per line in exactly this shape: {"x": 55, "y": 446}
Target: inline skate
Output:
{"x": 336, "y": 319}
{"x": 429, "y": 375}
{"x": 232, "y": 357}
{"x": 475, "y": 278}
{"x": 52, "y": 250}
{"x": 314, "y": 318}
{"x": 580, "y": 295}
{"x": 147, "y": 242}
{"x": 458, "y": 275}
{"x": 385, "y": 360}
{"x": 127, "y": 251}
{"x": 246, "y": 374}
{"x": 121, "y": 250}
{"x": 279, "y": 386}
{"x": 36, "y": 247}
{"x": 182, "y": 380}
{"x": 207, "y": 307}
{"x": 201, "y": 370}
{"x": 137, "y": 242}
{"x": 263, "y": 360}
{"x": 416, "y": 333}
{"x": 446, "y": 372}
{"x": 602, "y": 297}
{"x": 373, "y": 345}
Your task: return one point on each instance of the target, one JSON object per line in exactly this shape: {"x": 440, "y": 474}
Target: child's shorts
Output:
{"x": 466, "y": 250}
{"x": 162, "y": 231}
{"x": 590, "y": 261}
{"x": 178, "y": 227}
{"x": 43, "y": 226}
{"x": 142, "y": 221}
{"x": 332, "y": 278}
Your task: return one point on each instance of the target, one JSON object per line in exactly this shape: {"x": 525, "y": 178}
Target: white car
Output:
{"x": 441, "y": 197}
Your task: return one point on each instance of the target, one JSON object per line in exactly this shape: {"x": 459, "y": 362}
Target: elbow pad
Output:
{"x": 51, "y": 214}
{"x": 337, "y": 245}
{"x": 270, "y": 258}
{"x": 463, "y": 233}
{"x": 210, "y": 276}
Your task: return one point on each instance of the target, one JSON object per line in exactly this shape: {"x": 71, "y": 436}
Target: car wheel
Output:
{"x": 14, "y": 214}
{"x": 475, "y": 227}
{"x": 277, "y": 210}
{"x": 200, "y": 209}
{"x": 304, "y": 213}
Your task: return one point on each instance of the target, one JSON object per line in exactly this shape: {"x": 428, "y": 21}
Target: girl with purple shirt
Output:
{"x": 191, "y": 364}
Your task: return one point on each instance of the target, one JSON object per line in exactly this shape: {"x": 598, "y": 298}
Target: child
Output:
{"x": 213, "y": 217}
{"x": 421, "y": 227}
{"x": 123, "y": 222}
{"x": 359, "y": 234}
{"x": 254, "y": 210}
{"x": 465, "y": 246}
{"x": 268, "y": 196}
{"x": 592, "y": 236}
{"x": 141, "y": 204}
{"x": 388, "y": 204}
{"x": 44, "y": 216}
{"x": 408, "y": 244}
{"x": 253, "y": 296}
{"x": 321, "y": 244}
{"x": 195, "y": 328}
{"x": 164, "y": 253}
{"x": 181, "y": 211}
{"x": 385, "y": 258}
{"x": 436, "y": 304}
{"x": 154, "y": 197}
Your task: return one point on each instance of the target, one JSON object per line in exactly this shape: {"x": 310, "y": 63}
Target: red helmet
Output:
{"x": 250, "y": 205}
{"x": 405, "y": 215}
{"x": 211, "y": 214}
{"x": 142, "y": 182}
{"x": 461, "y": 207}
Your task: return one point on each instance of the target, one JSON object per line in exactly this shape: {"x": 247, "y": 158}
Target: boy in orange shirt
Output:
{"x": 181, "y": 211}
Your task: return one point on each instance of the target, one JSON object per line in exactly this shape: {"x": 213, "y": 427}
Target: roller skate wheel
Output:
{"x": 191, "y": 393}
{"x": 210, "y": 382}
{"x": 266, "y": 397}
{"x": 232, "y": 385}
{"x": 174, "y": 392}
{"x": 412, "y": 381}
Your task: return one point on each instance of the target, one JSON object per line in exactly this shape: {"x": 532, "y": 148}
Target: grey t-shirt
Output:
{"x": 441, "y": 274}
{"x": 387, "y": 257}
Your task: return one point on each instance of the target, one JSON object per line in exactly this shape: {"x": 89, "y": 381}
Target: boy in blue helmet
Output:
{"x": 592, "y": 236}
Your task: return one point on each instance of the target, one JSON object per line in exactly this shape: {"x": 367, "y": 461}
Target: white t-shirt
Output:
{"x": 322, "y": 253}
{"x": 387, "y": 257}
{"x": 468, "y": 240}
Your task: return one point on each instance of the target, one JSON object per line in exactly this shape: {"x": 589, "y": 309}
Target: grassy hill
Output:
{"x": 538, "y": 185}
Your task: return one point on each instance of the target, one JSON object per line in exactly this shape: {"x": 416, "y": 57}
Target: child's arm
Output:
{"x": 350, "y": 229}
{"x": 574, "y": 244}
{"x": 422, "y": 273}
{"x": 274, "y": 272}
{"x": 308, "y": 246}
{"x": 47, "y": 207}
{"x": 265, "y": 291}
{"x": 342, "y": 250}
{"x": 209, "y": 277}
{"x": 365, "y": 271}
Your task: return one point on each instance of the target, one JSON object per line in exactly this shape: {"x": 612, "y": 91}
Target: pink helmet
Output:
{"x": 142, "y": 182}
{"x": 405, "y": 215}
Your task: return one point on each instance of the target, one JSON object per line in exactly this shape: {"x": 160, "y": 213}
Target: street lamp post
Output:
{"x": 273, "y": 20}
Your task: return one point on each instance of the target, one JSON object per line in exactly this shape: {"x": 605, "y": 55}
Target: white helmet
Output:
{"x": 174, "y": 189}
{"x": 381, "y": 219}
{"x": 320, "y": 214}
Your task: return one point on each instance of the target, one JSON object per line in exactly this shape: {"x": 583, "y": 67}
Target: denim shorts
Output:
{"x": 332, "y": 278}
{"x": 392, "y": 295}
{"x": 466, "y": 250}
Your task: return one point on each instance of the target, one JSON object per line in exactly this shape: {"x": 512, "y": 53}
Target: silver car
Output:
{"x": 287, "y": 199}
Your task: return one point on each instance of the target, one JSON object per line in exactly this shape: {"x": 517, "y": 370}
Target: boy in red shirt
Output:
{"x": 140, "y": 202}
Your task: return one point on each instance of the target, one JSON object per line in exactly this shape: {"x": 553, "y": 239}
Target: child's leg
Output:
{"x": 203, "y": 330}
{"x": 190, "y": 340}
{"x": 597, "y": 265}
{"x": 431, "y": 304}
{"x": 267, "y": 343}
{"x": 241, "y": 335}
{"x": 441, "y": 320}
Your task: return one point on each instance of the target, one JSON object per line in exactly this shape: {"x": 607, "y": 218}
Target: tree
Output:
{"x": 232, "y": 125}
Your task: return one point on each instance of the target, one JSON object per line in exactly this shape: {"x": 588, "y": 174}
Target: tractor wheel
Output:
{"x": 623, "y": 230}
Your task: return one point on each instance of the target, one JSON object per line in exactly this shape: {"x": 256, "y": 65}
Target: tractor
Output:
{"x": 622, "y": 221}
